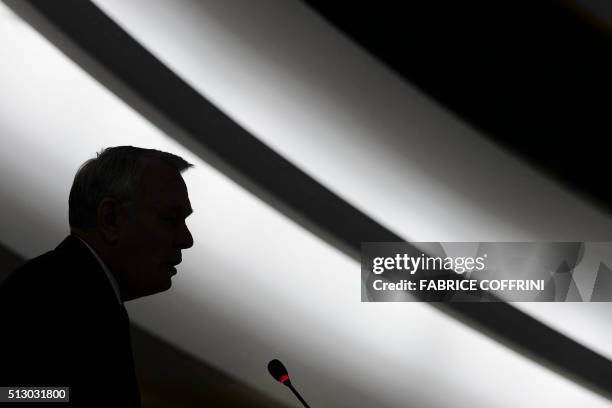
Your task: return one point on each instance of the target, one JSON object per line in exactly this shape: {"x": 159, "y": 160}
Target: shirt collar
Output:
{"x": 108, "y": 273}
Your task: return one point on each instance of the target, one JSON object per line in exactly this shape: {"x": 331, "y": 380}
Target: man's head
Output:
{"x": 130, "y": 205}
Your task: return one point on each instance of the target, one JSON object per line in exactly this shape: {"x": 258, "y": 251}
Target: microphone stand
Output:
{"x": 297, "y": 394}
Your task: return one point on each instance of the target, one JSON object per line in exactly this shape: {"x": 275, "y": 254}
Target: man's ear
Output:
{"x": 109, "y": 218}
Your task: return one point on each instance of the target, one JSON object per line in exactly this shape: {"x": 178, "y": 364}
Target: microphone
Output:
{"x": 280, "y": 374}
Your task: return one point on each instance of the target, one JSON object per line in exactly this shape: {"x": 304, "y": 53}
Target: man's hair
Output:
{"x": 116, "y": 173}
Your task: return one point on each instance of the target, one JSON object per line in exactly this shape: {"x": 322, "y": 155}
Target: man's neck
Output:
{"x": 99, "y": 254}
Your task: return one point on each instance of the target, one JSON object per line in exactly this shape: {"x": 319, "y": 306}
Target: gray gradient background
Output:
{"x": 256, "y": 285}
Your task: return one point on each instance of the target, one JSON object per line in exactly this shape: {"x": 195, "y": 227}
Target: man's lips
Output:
{"x": 172, "y": 265}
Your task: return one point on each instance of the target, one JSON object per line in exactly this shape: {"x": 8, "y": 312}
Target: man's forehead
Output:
{"x": 162, "y": 184}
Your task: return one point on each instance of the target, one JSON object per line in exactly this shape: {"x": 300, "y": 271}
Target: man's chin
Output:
{"x": 162, "y": 287}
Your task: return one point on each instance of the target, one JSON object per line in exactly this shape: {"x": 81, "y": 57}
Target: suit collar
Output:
{"x": 104, "y": 267}
{"x": 83, "y": 255}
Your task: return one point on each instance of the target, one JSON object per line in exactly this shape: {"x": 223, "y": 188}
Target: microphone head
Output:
{"x": 279, "y": 372}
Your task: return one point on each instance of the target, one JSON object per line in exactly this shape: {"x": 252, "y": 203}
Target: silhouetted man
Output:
{"x": 62, "y": 314}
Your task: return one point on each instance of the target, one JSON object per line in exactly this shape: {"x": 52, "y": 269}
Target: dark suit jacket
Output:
{"x": 62, "y": 325}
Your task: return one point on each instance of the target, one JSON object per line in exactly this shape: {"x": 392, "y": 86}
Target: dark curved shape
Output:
{"x": 534, "y": 76}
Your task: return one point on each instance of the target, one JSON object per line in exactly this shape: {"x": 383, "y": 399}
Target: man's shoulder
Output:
{"x": 67, "y": 273}
{"x": 32, "y": 275}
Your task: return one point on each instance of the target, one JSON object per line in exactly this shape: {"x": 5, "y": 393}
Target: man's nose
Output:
{"x": 184, "y": 238}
